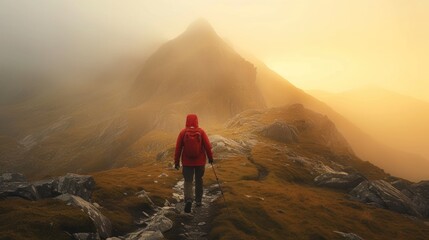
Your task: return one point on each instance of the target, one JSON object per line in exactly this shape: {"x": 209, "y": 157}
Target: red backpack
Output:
{"x": 192, "y": 143}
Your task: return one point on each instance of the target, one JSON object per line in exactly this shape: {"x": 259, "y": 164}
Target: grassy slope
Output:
{"x": 45, "y": 219}
{"x": 284, "y": 206}
{"x": 290, "y": 207}
{"x": 281, "y": 201}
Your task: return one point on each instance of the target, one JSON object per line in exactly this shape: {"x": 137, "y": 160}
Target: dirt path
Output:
{"x": 195, "y": 225}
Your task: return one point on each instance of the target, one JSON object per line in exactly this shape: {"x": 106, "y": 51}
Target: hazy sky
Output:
{"x": 330, "y": 45}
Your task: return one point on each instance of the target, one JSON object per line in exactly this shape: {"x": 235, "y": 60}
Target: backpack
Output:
{"x": 192, "y": 143}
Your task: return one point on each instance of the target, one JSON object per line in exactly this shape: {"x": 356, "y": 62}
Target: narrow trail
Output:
{"x": 194, "y": 225}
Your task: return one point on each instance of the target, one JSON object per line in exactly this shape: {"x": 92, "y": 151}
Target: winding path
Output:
{"x": 196, "y": 224}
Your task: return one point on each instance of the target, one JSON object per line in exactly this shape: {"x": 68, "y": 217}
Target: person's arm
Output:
{"x": 207, "y": 146}
{"x": 178, "y": 151}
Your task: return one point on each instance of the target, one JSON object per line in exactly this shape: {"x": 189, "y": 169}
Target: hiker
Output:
{"x": 192, "y": 146}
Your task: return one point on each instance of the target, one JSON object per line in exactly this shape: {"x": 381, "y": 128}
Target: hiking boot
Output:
{"x": 188, "y": 207}
{"x": 198, "y": 203}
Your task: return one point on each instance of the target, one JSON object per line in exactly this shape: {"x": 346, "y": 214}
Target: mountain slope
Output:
{"x": 111, "y": 125}
{"x": 397, "y": 120}
{"x": 277, "y": 92}
{"x": 187, "y": 74}
{"x": 268, "y": 183}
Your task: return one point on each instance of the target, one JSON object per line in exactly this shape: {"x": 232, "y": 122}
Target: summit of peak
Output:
{"x": 200, "y": 25}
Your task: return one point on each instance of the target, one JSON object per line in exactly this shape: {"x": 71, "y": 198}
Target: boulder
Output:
{"x": 339, "y": 180}
{"x": 404, "y": 187}
{"x": 384, "y": 195}
{"x": 79, "y": 185}
{"x": 417, "y": 192}
{"x": 281, "y": 132}
{"x": 224, "y": 147}
{"x": 102, "y": 223}
{"x": 18, "y": 189}
{"x": 12, "y": 177}
{"x": 422, "y": 188}
{"x": 160, "y": 223}
{"x": 45, "y": 188}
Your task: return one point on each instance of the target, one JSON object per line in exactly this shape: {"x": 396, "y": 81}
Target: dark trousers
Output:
{"x": 188, "y": 174}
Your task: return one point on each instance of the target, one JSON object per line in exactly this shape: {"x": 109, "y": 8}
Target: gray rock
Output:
{"x": 339, "y": 180}
{"x": 160, "y": 223}
{"x": 281, "y": 132}
{"x": 144, "y": 194}
{"x": 18, "y": 189}
{"x": 79, "y": 185}
{"x": 404, "y": 187}
{"x": 45, "y": 188}
{"x": 422, "y": 188}
{"x": 12, "y": 177}
{"x": 417, "y": 192}
{"x": 86, "y": 236}
{"x": 349, "y": 236}
{"x": 227, "y": 147}
{"x": 384, "y": 195}
{"x": 102, "y": 223}
{"x": 151, "y": 235}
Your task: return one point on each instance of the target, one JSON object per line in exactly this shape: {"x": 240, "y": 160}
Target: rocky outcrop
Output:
{"x": 156, "y": 225}
{"x": 421, "y": 188}
{"x": 417, "y": 192}
{"x": 18, "y": 189}
{"x": 79, "y": 185}
{"x": 225, "y": 147}
{"x": 16, "y": 185}
{"x": 339, "y": 180}
{"x": 281, "y": 132}
{"x": 45, "y": 188}
{"x": 102, "y": 223}
{"x": 382, "y": 194}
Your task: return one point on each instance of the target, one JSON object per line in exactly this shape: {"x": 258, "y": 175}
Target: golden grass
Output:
{"x": 284, "y": 205}
{"x": 269, "y": 196}
{"x": 116, "y": 189}
{"x": 44, "y": 219}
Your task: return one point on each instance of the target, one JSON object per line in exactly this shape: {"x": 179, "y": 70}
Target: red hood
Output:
{"x": 192, "y": 120}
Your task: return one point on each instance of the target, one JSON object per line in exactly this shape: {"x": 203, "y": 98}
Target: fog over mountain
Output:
{"x": 183, "y": 75}
{"x": 397, "y": 120}
{"x": 87, "y": 149}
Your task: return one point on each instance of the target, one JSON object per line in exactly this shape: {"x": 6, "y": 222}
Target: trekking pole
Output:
{"x": 218, "y": 183}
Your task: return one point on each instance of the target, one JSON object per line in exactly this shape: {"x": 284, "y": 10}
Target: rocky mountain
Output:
{"x": 187, "y": 74}
{"x": 124, "y": 123}
{"x": 277, "y": 92}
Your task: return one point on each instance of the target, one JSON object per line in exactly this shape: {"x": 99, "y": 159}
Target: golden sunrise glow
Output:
{"x": 330, "y": 45}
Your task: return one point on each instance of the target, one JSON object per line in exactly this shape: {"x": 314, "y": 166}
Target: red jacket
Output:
{"x": 192, "y": 122}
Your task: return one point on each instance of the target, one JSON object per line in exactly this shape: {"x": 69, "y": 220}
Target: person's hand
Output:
{"x": 177, "y": 166}
{"x": 211, "y": 161}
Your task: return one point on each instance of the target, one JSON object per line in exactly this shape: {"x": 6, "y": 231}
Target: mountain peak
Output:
{"x": 200, "y": 26}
